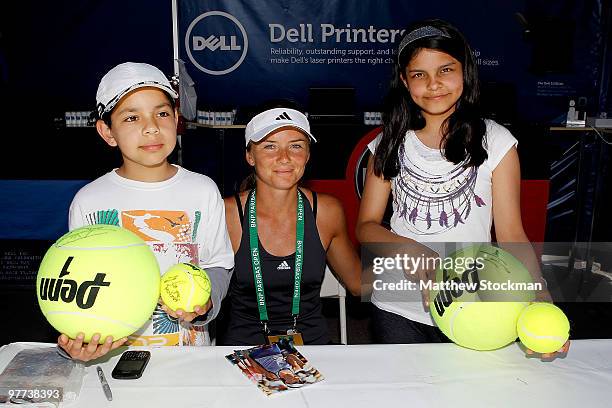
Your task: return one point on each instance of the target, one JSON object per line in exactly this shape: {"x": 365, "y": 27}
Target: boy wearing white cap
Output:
{"x": 177, "y": 212}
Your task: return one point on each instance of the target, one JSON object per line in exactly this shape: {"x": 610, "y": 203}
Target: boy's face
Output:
{"x": 143, "y": 127}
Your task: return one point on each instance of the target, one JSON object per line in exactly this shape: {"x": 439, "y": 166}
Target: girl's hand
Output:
{"x": 425, "y": 275}
{"x": 550, "y": 356}
{"x": 543, "y": 296}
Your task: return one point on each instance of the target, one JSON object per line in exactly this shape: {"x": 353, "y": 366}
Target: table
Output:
{"x": 369, "y": 376}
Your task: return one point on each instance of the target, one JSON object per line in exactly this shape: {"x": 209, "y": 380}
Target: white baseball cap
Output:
{"x": 268, "y": 121}
{"x": 125, "y": 78}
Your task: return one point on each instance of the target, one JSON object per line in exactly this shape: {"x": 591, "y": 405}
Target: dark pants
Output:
{"x": 390, "y": 328}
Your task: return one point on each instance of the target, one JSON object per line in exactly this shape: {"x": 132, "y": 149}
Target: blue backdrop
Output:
{"x": 534, "y": 55}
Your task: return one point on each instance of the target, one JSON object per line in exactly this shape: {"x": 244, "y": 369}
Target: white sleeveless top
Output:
{"x": 437, "y": 202}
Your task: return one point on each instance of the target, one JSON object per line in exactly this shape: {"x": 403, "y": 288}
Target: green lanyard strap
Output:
{"x": 256, "y": 261}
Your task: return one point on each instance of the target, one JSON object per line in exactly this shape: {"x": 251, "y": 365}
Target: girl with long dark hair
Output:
{"x": 451, "y": 172}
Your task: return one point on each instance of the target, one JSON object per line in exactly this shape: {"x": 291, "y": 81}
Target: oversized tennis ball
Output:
{"x": 505, "y": 278}
{"x": 543, "y": 327}
{"x": 483, "y": 325}
{"x": 98, "y": 279}
{"x": 185, "y": 286}
{"x": 463, "y": 310}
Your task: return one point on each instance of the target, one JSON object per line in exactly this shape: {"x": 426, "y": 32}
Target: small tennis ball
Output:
{"x": 543, "y": 327}
{"x": 98, "y": 279}
{"x": 185, "y": 286}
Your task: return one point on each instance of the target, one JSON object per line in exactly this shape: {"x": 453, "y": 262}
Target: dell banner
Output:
{"x": 241, "y": 53}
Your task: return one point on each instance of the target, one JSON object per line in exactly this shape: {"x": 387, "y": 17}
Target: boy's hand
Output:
{"x": 88, "y": 351}
{"x": 187, "y": 316}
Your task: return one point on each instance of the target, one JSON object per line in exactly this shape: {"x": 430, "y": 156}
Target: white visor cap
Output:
{"x": 268, "y": 121}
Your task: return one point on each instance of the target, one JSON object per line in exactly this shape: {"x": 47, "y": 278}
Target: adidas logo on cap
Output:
{"x": 283, "y": 265}
{"x": 268, "y": 121}
{"x": 284, "y": 116}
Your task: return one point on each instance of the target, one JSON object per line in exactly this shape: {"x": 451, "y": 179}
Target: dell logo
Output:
{"x": 216, "y": 42}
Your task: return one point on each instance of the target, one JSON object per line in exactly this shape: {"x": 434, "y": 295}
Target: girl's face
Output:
{"x": 435, "y": 82}
{"x": 280, "y": 158}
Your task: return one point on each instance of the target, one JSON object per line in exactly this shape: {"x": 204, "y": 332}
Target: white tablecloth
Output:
{"x": 372, "y": 376}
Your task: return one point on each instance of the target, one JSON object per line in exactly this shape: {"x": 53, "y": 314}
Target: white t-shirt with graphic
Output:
{"x": 182, "y": 219}
{"x": 436, "y": 201}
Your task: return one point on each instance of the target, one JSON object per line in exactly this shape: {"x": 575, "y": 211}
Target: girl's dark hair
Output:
{"x": 106, "y": 118}
{"x": 463, "y": 130}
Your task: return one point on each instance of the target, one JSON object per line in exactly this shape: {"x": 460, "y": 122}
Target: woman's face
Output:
{"x": 280, "y": 158}
{"x": 435, "y": 82}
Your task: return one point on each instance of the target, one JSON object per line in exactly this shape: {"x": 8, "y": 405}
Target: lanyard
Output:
{"x": 256, "y": 262}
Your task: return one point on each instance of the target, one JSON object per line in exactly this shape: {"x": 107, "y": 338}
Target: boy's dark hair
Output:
{"x": 106, "y": 118}
{"x": 463, "y": 130}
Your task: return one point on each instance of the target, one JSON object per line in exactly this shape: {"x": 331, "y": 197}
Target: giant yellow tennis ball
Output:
{"x": 469, "y": 311}
{"x": 503, "y": 277}
{"x": 543, "y": 327}
{"x": 185, "y": 286}
{"x": 98, "y": 279}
